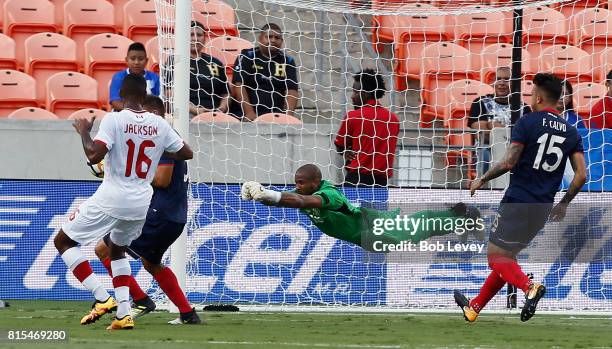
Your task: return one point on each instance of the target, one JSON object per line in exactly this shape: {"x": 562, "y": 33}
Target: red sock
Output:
{"x": 168, "y": 283}
{"x": 489, "y": 289}
{"x": 135, "y": 291}
{"x": 509, "y": 270}
{"x": 82, "y": 271}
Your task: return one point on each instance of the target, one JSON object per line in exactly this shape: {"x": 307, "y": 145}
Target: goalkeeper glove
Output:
{"x": 255, "y": 191}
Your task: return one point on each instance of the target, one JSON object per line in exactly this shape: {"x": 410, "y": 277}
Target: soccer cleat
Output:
{"x": 469, "y": 314}
{"x": 190, "y": 318}
{"x": 125, "y": 323}
{"x": 98, "y": 309}
{"x": 536, "y": 292}
{"x": 143, "y": 307}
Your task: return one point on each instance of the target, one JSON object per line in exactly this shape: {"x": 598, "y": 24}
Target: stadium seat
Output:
{"x": 567, "y": 62}
{"x": 591, "y": 29}
{"x": 543, "y": 27}
{"x": 23, "y": 18}
{"x": 85, "y": 18}
{"x": 87, "y": 114}
{"x": 139, "y": 20}
{"x": 17, "y": 90}
{"x": 411, "y": 34}
{"x": 68, "y": 92}
{"x": 585, "y": 96}
{"x": 32, "y": 113}
{"x": 152, "y": 47}
{"x": 500, "y": 55}
{"x": 461, "y": 94}
{"x": 217, "y": 17}
{"x": 278, "y": 118}
{"x": 602, "y": 64}
{"x": 475, "y": 30}
{"x": 47, "y": 54}
{"x": 570, "y": 8}
{"x": 7, "y": 52}
{"x": 214, "y": 117}
{"x": 443, "y": 63}
{"x": 105, "y": 55}
{"x": 226, "y": 49}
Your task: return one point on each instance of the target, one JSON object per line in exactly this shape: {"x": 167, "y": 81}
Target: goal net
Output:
{"x": 450, "y": 76}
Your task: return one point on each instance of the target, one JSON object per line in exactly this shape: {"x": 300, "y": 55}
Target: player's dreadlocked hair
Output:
{"x": 371, "y": 82}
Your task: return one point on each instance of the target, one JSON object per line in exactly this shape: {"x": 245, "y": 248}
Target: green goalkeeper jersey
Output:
{"x": 338, "y": 218}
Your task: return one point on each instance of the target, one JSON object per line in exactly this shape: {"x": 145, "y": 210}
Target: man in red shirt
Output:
{"x": 368, "y": 135}
{"x": 601, "y": 114}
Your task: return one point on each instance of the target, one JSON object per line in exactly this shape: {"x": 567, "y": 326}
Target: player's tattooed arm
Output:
{"x": 510, "y": 159}
{"x": 94, "y": 151}
{"x": 580, "y": 176}
{"x": 513, "y": 154}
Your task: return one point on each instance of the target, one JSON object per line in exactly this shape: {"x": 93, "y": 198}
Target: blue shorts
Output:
{"x": 157, "y": 235}
{"x": 518, "y": 223}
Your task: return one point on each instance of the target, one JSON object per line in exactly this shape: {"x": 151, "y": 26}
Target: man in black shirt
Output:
{"x": 491, "y": 111}
{"x": 265, "y": 77}
{"x": 208, "y": 85}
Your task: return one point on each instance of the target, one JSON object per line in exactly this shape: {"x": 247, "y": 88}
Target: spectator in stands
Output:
{"x": 136, "y": 60}
{"x": 265, "y": 78}
{"x": 601, "y": 113}
{"x": 368, "y": 135}
{"x": 208, "y": 85}
{"x": 492, "y": 111}
{"x": 566, "y": 106}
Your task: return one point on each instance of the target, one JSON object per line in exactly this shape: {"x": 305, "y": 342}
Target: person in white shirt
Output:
{"x": 131, "y": 142}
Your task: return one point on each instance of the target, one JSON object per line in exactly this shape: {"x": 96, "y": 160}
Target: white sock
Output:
{"x": 73, "y": 257}
{"x": 121, "y": 267}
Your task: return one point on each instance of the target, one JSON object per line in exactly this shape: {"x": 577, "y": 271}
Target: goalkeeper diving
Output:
{"x": 331, "y": 212}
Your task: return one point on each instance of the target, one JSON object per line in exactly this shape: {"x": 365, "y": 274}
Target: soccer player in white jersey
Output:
{"x": 131, "y": 142}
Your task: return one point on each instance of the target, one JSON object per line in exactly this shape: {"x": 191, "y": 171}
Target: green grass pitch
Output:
{"x": 308, "y": 330}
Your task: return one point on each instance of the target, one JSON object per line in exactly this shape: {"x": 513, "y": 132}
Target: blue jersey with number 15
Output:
{"x": 548, "y": 140}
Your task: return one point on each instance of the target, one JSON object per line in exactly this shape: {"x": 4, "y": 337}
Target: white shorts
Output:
{"x": 89, "y": 224}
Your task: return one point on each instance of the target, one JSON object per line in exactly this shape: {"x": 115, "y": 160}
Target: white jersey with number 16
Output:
{"x": 135, "y": 141}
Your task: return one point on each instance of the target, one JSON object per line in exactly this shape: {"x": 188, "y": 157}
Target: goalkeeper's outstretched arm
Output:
{"x": 255, "y": 191}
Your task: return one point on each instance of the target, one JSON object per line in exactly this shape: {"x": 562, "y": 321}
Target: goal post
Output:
{"x": 436, "y": 58}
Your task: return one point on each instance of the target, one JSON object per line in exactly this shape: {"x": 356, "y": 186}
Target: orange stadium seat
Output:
{"x": 139, "y": 20}
{"x": 410, "y": 34}
{"x": 68, "y": 92}
{"x": 543, "y": 27}
{"x": 226, "y": 49}
{"x": 47, "y": 54}
{"x": 461, "y": 94}
{"x": 278, "y": 118}
{"x": 17, "y": 90}
{"x": 570, "y": 8}
{"x": 105, "y": 55}
{"x": 152, "y": 47}
{"x": 443, "y": 63}
{"x": 23, "y": 18}
{"x": 214, "y": 116}
{"x": 31, "y": 113}
{"x": 7, "y": 52}
{"x": 602, "y": 65}
{"x": 591, "y": 29}
{"x": 586, "y": 95}
{"x": 216, "y": 16}
{"x": 567, "y": 62}
{"x": 118, "y": 5}
{"x": 88, "y": 113}
{"x": 500, "y": 55}
{"x": 475, "y": 30}
{"x": 85, "y": 18}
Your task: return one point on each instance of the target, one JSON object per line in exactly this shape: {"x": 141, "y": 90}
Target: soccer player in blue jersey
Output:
{"x": 541, "y": 143}
{"x": 165, "y": 221}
